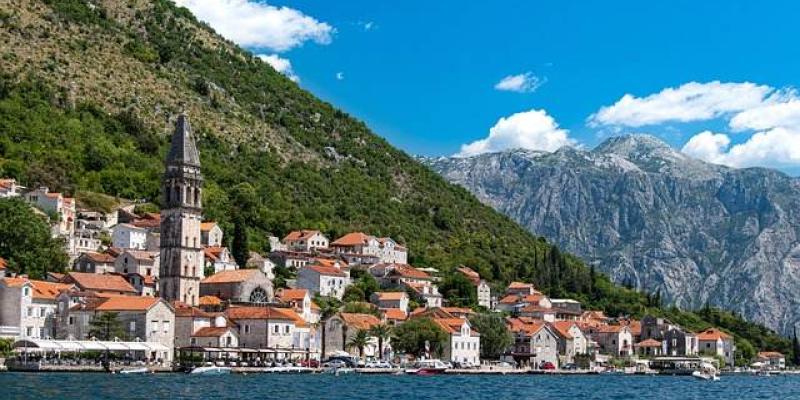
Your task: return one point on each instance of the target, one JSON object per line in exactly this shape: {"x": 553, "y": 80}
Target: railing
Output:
{"x": 9, "y": 331}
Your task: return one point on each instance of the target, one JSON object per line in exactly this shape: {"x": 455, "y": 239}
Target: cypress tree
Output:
{"x": 795, "y": 349}
{"x": 240, "y": 244}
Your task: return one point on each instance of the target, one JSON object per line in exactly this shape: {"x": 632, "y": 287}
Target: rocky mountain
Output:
{"x": 656, "y": 219}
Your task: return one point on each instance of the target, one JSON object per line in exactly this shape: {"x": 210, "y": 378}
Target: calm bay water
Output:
{"x": 289, "y": 387}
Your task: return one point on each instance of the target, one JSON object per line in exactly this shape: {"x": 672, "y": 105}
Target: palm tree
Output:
{"x": 359, "y": 340}
{"x": 382, "y": 332}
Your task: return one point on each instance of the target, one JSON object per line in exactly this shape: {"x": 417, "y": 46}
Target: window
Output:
{"x": 154, "y": 327}
{"x": 193, "y": 341}
{"x": 29, "y": 331}
{"x": 30, "y": 311}
{"x": 132, "y": 326}
{"x": 166, "y": 326}
{"x": 277, "y": 328}
{"x": 228, "y": 341}
{"x": 286, "y": 329}
{"x": 71, "y": 320}
{"x": 247, "y": 329}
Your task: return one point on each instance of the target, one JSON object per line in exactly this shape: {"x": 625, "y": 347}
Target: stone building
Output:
{"x": 181, "y": 244}
{"x": 239, "y": 286}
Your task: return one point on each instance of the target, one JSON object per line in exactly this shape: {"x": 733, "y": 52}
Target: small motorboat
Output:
{"x": 427, "y": 367}
{"x": 706, "y": 372}
{"x": 213, "y": 370}
{"x": 142, "y": 370}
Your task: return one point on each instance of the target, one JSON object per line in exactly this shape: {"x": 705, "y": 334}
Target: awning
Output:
{"x": 40, "y": 345}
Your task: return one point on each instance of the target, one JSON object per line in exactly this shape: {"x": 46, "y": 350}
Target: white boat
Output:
{"x": 707, "y": 372}
{"x": 142, "y": 370}
{"x": 212, "y": 370}
{"x": 427, "y": 367}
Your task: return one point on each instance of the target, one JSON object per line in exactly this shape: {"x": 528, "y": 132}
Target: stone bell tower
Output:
{"x": 181, "y": 214}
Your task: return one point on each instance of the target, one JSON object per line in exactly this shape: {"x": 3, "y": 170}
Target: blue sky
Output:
{"x": 425, "y": 75}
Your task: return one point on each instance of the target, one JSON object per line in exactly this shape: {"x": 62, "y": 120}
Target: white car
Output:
{"x": 379, "y": 364}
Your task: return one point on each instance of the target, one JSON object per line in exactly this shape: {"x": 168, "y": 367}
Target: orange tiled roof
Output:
{"x": 125, "y": 303}
{"x": 408, "y": 271}
{"x": 292, "y": 294}
{"x": 250, "y": 312}
{"x": 611, "y": 328}
{"x": 143, "y": 255}
{"x": 648, "y": 343}
{"x": 458, "y": 310}
{"x": 3, "y": 263}
{"x": 323, "y": 270}
{"x": 207, "y": 226}
{"x": 770, "y": 354}
{"x": 450, "y": 325}
{"x": 234, "y": 276}
{"x": 713, "y": 334}
{"x": 520, "y": 285}
{"x": 352, "y": 239}
{"x": 100, "y": 282}
{"x": 562, "y": 328}
{"x": 300, "y": 235}
{"x": 394, "y": 314}
{"x": 99, "y": 257}
{"x": 360, "y": 321}
{"x": 526, "y": 326}
{"x": 470, "y": 274}
{"x": 391, "y": 296}
{"x": 331, "y": 263}
{"x": 210, "y": 301}
{"x": 211, "y": 331}
{"x": 48, "y": 290}
{"x": 213, "y": 252}
{"x": 7, "y": 183}
{"x": 185, "y": 310}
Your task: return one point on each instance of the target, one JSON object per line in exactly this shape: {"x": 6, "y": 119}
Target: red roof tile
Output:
{"x": 99, "y": 282}
{"x": 352, "y": 239}
{"x": 124, "y": 303}
{"x": 234, "y": 276}
{"x": 360, "y": 321}
{"x": 713, "y": 334}
{"x": 211, "y": 331}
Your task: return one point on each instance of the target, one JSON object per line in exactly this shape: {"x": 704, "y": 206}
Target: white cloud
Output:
{"x": 367, "y": 25}
{"x": 525, "y": 82}
{"x": 534, "y": 130}
{"x": 254, "y": 24}
{"x": 775, "y": 147}
{"x": 691, "y": 101}
{"x": 340, "y": 76}
{"x": 782, "y": 112}
{"x": 281, "y": 65}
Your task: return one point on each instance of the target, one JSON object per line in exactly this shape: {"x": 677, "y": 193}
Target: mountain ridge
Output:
{"x": 648, "y": 214}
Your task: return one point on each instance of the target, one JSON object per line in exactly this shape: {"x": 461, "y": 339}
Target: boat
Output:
{"x": 212, "y": 370}
{"x": 706, "y": 372}
{"x": 427, "y": 367}
{"x": 142, "y": 370}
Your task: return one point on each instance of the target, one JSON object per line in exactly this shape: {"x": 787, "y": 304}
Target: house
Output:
{"x": 212, "y": 336}
{"x": 678, "y": 342}
{"x": 398, "y": 300}
{"x": 272, "y": 328}
{"x": 27, "y": 307}
{"x": 189, "y": 320}
{"x": 359, "y": 243}
{"x": 571, "y": 340}
{"x": 656, "y": 327}
{"x": 291, "y": 259}
{"x": 262, "y": 263}
{"x": 210, "y": 234}
{"x": 239, "y": 286}
{"x": 614, "y": 340}
{"x": 147, "y": 319}
{"x": 93, "y": 262}
{"x": 714, "y": 342}
{"x": 305, "y": 241}
{"x": 566, "y": 309}
{"x": 484, "y": 292}
{"x": 405, "y": 276}
{"x": 649, "y": 348}
{"x": 463, "y": 342}
{"x": 145, "y": 285}
{"x": 771, "y": 359}
{"x": 521, "y": 289}
{"x": 85, "y": 239}
{"x": 110, "y": 284}
{"x": 219, "y": 258}
{"x": 3, "y": 268}
{"x": 300, "y": 301}
{"x": 536, "y": 305}
{"x": 340, "y": 329}
{"x": 9, "y": 188}
{"x": 393, "y": 316}
{"x": 144, "y": 263}
{"x": 324, "y": 278}
{"x": 57, "y": 203}
{"x": 128, "y": 236}
{"x": 535, "y": 342}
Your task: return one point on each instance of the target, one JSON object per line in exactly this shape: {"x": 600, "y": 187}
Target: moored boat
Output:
{"x": 427, "y": 367}
{"x": 212, "y": 370}
{"x": 143, "y": 370}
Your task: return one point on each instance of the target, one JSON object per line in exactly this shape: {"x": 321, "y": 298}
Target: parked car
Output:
{"x": 335, "y": 364}
{"x": 349, "y": 362}
{"x": 547, "y": 365}
{"x": 570, "y": 366}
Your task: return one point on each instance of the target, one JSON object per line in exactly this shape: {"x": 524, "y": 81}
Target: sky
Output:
{"x": 715, "y": 79}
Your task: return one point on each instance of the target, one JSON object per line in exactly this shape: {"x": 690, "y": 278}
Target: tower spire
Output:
{"x": 183, "y": 149}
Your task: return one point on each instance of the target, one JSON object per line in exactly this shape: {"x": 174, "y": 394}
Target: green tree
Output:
{"x": 382, "y": 332}
{"x": 495, "y": 336}
{"x": 6, "y": 347}
{"x": 26, "y": 241}
{"x": 795, "y": 349}
{"x": 240, "y": 247}
{"x": 360, "y": 307}
{"x": 106, "y": 326}
{"x": 353, "y": 293}
{"x": 411, "y": 336}
{"x": 359, "y": 341}
{"x": 459, "y": 290}
{"x": 745, "y": 352}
